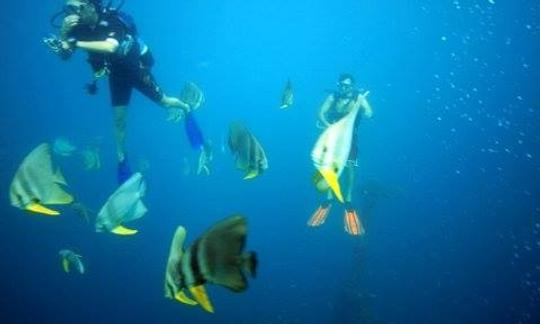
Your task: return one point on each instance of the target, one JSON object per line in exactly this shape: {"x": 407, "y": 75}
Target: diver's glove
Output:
{"x": 64, "y": 49}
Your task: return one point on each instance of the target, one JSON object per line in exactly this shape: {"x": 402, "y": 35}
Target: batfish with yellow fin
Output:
{"x": 35, "y": 184}
{"x": 332, "y": 150}
{"x": 247, "y": 151}
{"x": 123, "y": 206}
{"x": 71, "y": 259}
{"x": 216, "y": 257}
{"x": 287, "y": 98}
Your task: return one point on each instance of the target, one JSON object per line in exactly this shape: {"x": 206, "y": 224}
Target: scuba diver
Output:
{"x": 110, "y": 38}
{"x": 336, "y": 106}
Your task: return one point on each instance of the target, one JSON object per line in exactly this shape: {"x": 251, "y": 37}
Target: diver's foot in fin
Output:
{"x": 352, "y": 223}
{"x": 319, "y": 216}
{"x": 124, "y": 171}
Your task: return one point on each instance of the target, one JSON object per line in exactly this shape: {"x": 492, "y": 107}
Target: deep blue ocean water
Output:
{"x": 451, "y": 159}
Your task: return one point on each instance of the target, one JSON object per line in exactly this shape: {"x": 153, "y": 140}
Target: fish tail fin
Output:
{"x": 250, "y": 263}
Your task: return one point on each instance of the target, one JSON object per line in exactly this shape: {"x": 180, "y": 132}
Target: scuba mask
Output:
{"x": 345, "y": 89}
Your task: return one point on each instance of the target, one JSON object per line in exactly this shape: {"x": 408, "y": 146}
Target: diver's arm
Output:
{"x": 368, "y": 112}
{"x": 108, "y": 46}
{"x": 361, "y": 102}
{"x": 324, "y": 109}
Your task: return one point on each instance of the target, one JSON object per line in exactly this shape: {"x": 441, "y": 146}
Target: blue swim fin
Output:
{"x": 193, "y": 132}
{"x": 124, "y": 171}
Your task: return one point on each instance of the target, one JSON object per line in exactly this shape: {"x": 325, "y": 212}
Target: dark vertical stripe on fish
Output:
{"x": 195, "y": 264}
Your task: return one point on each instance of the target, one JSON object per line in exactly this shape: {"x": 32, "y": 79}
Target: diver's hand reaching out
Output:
{"x": 56, "y": 45}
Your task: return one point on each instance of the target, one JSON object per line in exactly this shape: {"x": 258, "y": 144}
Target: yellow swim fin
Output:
{"x": 332, "y": 179}
{"x": 40, "y": 209}
{"x": 202, "y": 298}
{"x": 124, "y": 231}
{"x": 181, "y": 297}
{"x": 251, "y": 174}
{"x": 65, "y": 265}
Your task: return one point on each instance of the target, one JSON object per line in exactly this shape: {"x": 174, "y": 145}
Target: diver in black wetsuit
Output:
{"x": 114, "y": 50}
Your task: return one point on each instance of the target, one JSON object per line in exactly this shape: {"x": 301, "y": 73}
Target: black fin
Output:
{"x": 250, "y": 263}
{"x": 220, "y": 253}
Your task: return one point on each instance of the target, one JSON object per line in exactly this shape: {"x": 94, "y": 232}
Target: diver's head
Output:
{"x": 86, "y": 10}
{"x": 345, "y": 83}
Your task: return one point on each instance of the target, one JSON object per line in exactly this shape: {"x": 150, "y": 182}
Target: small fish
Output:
{"x": 36, "y": 185}
{"x": 192, "y": 95}
{"x": 123, "y": 206}
{"x": 287, "y": 98}
{"x": 248, "y": 152}
{"x": 91, "y": 159}
{"x": 216, "y": 257}
{"x": 71, "y": 259}
{"x": 63, "y": 147}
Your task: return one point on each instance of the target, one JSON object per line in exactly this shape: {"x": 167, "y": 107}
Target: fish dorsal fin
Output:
{"x": 184, "y": 299}
{"x": 124, "y": 231}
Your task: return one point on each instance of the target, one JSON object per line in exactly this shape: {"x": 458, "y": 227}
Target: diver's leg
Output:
{"x": 147, "y": 85}
{"x": 120, "y": 114}
{"x": 121, "y": 86}
{"x": 351, "y": 220}
{"x": 350, "y": 181}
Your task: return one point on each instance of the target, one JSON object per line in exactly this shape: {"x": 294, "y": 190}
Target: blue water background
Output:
{"x": 454, "y": 141}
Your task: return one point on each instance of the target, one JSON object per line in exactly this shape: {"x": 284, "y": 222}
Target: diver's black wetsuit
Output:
{"x": 129, "y": 66}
